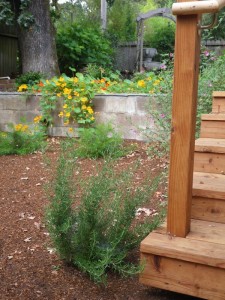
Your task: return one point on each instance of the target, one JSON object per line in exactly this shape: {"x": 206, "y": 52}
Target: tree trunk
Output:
{"x": 37, "y": 44}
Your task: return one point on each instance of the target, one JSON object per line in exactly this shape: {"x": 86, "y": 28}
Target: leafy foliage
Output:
{"x": 217, "y": 32}
{"x": 100, "y": 141}
{"x": 77, "y": 93}
{"x": 160, "y": 109}
{"x": 211, "y": 79}
{"x": 7, "y": 14}
{"x": 122, "y": 20}
{"x": 99, "y": 234}
{"x": 79, "y": 45}
{"x": 22, "y": 140}
{"x": 29, "y": 78}
{"x": 161, "y": 35}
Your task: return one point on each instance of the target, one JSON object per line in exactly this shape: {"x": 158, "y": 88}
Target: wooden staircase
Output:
{"x": 195, "y": 264}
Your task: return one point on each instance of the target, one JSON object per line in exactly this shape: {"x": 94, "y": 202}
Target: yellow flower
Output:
{"x": 70, "y": 129}
{"x": 90, "y": 110}
{"x": 58, "y": 83}
{"x": 75, "y": 80}
{"x": 37, "y": 119}
{"x": 76, "y": 94}
{"x": 156, "y": 82}
{"x": 84, "y": 99}
{"x": 22, "y": 88}
{"x": 58, "y": 94}
{"x": 69, "y": 97}
{"x": 92, "y": 118}
{"x": 65, "y": 106}
{"x": 24, "y": 128}
{"x": 67, "y": 91}
{"x": 60, "y": 114}
{"x": 68, "y": 114}
{"x": 141, "y": 83}
{"x": 47, "y": 81}
{"x": 63, "y": 85}
{"x": 20, "y": 127}
{"x": 151, "y": 91}
{"x": 83, "y": 107}
{"x": 61, "y": 79}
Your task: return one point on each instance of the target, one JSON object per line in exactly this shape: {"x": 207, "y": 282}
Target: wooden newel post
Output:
{"x": 186, "y": 70}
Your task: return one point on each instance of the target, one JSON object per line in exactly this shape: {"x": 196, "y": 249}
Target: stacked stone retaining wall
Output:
{"x": 128, "y": 113}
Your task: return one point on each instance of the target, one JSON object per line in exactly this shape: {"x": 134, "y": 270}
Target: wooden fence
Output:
{"x": 8, "y": 51}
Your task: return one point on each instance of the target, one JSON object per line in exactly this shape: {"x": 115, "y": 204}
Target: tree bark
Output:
{"x": 37, "y": 44}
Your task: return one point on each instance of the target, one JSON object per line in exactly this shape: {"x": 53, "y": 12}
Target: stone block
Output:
{"x": 120, "y": 104}
{"x": 142, "y": 104}
{"x": 62, "y": 131}
{"x": 7, "y": 116}
{"x": 99, "y": 103}
{"x": 33, "y": 102}
{"x": 12, "y": 102}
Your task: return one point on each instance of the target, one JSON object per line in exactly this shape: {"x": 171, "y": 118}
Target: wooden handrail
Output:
{"x": 197, "y": 7}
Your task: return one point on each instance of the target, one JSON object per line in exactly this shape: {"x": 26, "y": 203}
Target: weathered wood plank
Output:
{"x": 210, "y": 145}
{"x": 206, "y": 209}
{"x": 209, "y": 162}
{"x": 209, "y": 185}
{"x": 212, "y": 129}
{"x": 219, "y": 94}
{"x": 183, "y": 125}
{"x": 209, "y": 232}
{"x": 187, "y": 249}
{"x": 183, "y": 277}
{"x": 218, "y": 105}
{"x": 213, "y": 117}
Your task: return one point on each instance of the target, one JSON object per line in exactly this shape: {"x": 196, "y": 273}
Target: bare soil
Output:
{"x": 29, "y": 267}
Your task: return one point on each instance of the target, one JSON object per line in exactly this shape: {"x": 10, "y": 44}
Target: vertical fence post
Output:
{"x": 186, "y": 70}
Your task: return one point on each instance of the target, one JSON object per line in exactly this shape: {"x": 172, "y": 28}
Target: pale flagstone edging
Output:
{"x": 127, "y": 112}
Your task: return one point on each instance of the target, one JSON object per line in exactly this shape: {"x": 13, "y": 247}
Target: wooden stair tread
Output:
{"x": 210, "y": 145}
{"x": 209, "y": 185}
{"x": 212, "y": 232}
{"x": 201, "y": 230}
{"x": 200, "y": 245}
{"x": 218, "y": 94}
{"x": 213, "y": 117}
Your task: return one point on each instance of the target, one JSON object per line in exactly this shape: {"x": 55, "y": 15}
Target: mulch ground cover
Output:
{"x": 29, "y": 267}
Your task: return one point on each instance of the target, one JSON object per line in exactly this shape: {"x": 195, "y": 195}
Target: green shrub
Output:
{"x": 29, "y": 78}
{"x": 22, "y": 140}
{"x": 98, "y": 235}
{"x": 100, "y": 141}
{"x": 161, "y": 35}
{"x": 211, "y": 79}
{"x": 159, "y": 108}
{"x": 79, "y": 45}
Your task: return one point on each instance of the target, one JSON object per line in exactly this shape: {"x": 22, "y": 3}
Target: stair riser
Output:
{"x": 183, "y": 277}
{"x": 209, "y": 162}
{"x": 218, "y": 105}
{"x": 212, "y": 129}
{"x": 206, "y": 209}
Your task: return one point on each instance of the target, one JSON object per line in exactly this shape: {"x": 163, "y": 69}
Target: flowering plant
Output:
{"x": 22, "y": 139}
{"x": 77, "y": 94}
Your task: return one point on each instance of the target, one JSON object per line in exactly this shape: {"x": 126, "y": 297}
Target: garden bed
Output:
{"x": 29, "y": 268}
